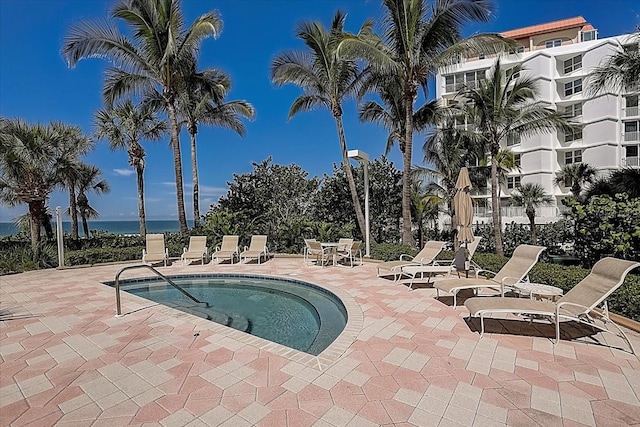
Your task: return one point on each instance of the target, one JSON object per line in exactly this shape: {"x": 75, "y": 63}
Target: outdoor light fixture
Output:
{"x": 363, "y": 158}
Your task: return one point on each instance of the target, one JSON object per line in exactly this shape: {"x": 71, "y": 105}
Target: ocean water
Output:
{"x": 116, "y": 227}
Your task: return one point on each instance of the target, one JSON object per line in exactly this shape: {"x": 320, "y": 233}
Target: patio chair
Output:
{"x": 228, "y": 249}
{"x": 155, "y": 251}
{"x": 321, "y": 254}
{"x": 579, "y": 304}
{"x": 350, "y": 252}
{"x": 515, "y": 270}
{"x": 197, "y": 250}
{"x": 344, "y": 244}
{"x": 257, "y": 249}
{"x": 307, "y": 251}
{"x": 425, "y": 257}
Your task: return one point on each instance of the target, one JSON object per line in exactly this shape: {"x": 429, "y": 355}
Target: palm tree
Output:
{"x": 620, "y": 71}
{"x": 28, "y": 156}
{"x": 447, "y": 150}
{"x": 326, "y": 78}
{"x": 576, "y": 176}
{"x": 201, "y": 100}
{"x": 415, "y": 45}
{"x": 625, "y": 180}
{"x": 152, "y": 64}
{"x": 89, "y": 180}
{"x": 73, "y": 145}
{"x": 500, "y": 106}
{"x": 124, "y": 126}
{"x": 531, "y": 196}
{"x": 424, "y": 207}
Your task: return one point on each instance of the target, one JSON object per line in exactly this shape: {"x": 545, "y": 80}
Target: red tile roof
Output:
{"x": 563, "y": 24}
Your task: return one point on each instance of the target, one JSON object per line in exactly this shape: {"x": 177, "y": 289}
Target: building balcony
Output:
{"x": 632, "y": 136}
{"x": 633, "y": 162}
{"x": 517, "y": 212}
{"x": 631, "y": 111}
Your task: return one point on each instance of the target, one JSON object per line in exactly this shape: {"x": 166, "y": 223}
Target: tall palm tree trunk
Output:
{"x": 85, "y": 226}
{"x": 141, "y": 214}
{"x": 407, "y": 235}
{"x": 349, "y": 174}
{"x": 36, "y": 210}
{"x": 531, "y": 213}
{"x": 177, "y": 163}
{"x": 495, "y": 206}
{"x": 73, "y": 210}
{"x": 196, "y": 185}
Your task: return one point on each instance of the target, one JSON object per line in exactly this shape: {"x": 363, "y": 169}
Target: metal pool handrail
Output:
{"x": 162, "y": 276}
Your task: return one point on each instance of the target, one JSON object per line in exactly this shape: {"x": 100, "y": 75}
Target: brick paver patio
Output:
{"x": 405, "y": 358}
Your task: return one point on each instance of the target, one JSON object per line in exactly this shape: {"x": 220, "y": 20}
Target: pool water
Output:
{"x": 289, "y": 312}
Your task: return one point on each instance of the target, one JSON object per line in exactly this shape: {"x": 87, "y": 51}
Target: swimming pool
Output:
{"x": 290, "y": 312}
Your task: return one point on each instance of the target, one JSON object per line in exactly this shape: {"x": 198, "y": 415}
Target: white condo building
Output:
{"x": 559, "y": 56}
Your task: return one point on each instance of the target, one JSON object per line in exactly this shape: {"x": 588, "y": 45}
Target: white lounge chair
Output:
{"x": 155, "y": 251}
{"x": 425, "y": 257}
{"x": 257, "y": 249}
{"x": 197, "y": 250}
{"x": 579, "y": 304}
{"x": 515, "y": 270}
{"x": 228, "y": 249}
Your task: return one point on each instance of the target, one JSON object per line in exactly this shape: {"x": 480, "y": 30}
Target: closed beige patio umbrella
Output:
{"x": 463, "y": 208}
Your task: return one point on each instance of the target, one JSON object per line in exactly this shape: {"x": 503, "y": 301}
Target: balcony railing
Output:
{"x": 517, "y": 211}
{"x": 632, "y": 136}
{"x": 631, "y": 161}
{"x": 631, "y": 111}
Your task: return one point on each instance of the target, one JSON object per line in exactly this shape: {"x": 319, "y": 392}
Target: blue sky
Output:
{"x": 36, "y": 85}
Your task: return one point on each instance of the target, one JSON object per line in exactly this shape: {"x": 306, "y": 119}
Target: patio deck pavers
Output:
{"x": 405, "y": 358}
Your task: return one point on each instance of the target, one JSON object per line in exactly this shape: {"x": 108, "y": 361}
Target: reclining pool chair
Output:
{"x": 155, "y": 251}
{"x": 228, "y": 249}
{"x": 257, "y": 249}
{"x": 515, "y": 270}
{"x": 197, "y": 250}
{"x": 578, "y": 304}
{"x": 425, "y": 257}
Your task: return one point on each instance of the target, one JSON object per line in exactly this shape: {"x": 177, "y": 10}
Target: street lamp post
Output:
{"x": 363, "y": 158}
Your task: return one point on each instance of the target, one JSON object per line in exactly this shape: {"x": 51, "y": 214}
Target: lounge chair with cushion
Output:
{"x": 155, "y": 251}
{"x": 197, "y": 250}
{"x": 228, "y": 249}
{"x": 257, "y": 249}
{"x": 579, "y": 304}
{"x": 515, "y": 270}
{"x": 445, "y": 266}
{"x": 425, "y": 257}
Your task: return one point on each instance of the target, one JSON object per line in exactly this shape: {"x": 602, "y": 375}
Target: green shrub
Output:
{"x": 391, "y": 252}
{"x": 101, "y": 255}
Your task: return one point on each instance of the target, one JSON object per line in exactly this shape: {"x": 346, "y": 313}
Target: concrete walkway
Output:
{"x": 405, "y": 358}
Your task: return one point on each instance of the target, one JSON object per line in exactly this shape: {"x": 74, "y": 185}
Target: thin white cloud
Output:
{"x": 124, "y": 172}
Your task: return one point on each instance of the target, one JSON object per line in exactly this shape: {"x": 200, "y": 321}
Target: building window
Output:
{"x": 481, "y": 56}
{"x": 588, "y": 36}
{"x": 517, "y": 159}
{"x": 575, "y": 135}
{"x": 631, "y": 131}
{"x": 456, "y": 82}
{"x": 573, "y": 157}
{"x": 513, "y": 182}
{"x": 573, "y": 110}
{"x": 553, "y": 43}
{"x": 573, "y": 87}
{"x": 631, "y": 103}
{"x": 631, "y": 150}
{"x": 513, "y": 140}
{"x": 572, "y": 64}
